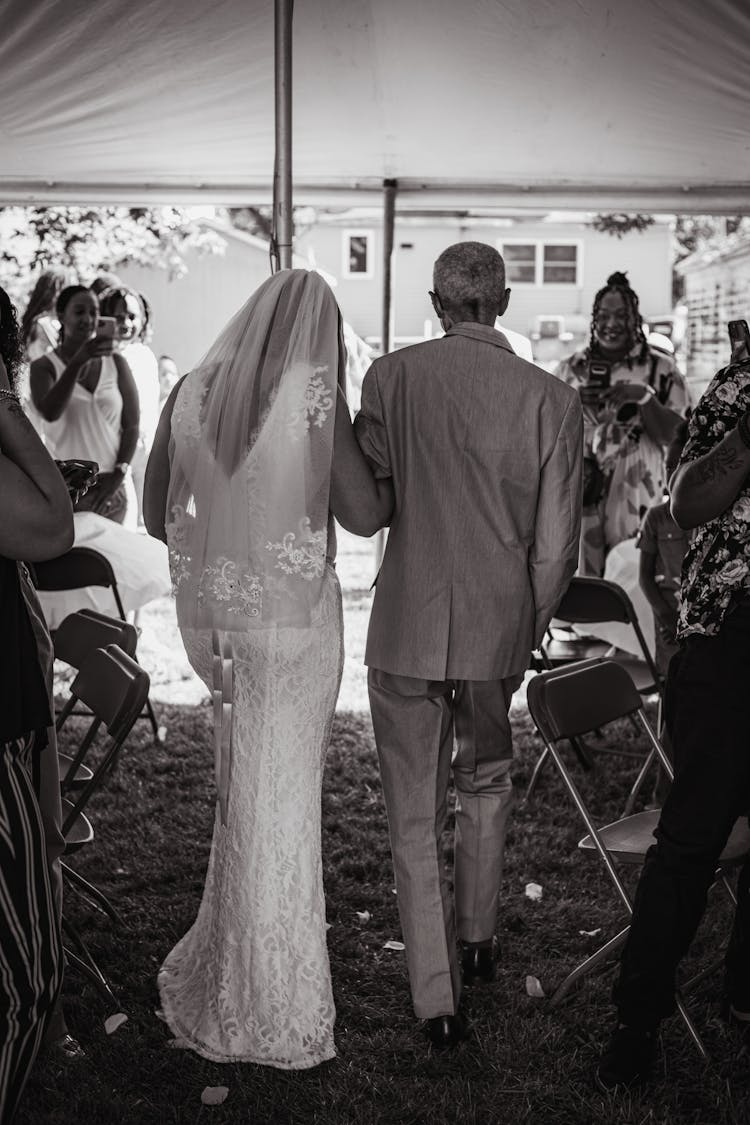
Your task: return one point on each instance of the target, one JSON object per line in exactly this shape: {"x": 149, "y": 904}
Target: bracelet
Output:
{"x": 648, "y": 392}
{"x": 743, "y": 429}
{"x": 9, "y": 396}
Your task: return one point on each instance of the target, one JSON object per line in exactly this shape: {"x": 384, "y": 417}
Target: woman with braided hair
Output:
{"x": 633, "y": 398}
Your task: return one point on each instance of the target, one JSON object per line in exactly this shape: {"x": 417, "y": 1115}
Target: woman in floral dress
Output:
{"x": 633, "y": 398}
{"x": 254, "y": 453}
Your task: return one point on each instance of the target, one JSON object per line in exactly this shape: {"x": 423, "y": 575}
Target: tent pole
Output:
{"x": 282, "y": 176}
{"x": 390, "y": 188}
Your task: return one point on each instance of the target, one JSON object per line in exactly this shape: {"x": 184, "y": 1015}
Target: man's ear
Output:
{"x": 504, "y": 302}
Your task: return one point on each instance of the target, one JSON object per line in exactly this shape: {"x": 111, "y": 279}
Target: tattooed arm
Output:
{"x": 702, "y": 489}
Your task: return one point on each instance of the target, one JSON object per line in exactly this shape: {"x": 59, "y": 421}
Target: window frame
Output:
{"x": 357, "y": 232}
{"x": 539, "y": 245}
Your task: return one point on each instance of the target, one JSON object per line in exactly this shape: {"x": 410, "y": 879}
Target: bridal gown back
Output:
{"x": 250, "y": 980}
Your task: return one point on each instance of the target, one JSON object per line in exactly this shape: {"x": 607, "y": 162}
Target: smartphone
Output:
{"x": 739, "y": 338}
{"x": 107, "y": 329}
{"x": 78, "y": 475}
{"x": 598, "y": 379}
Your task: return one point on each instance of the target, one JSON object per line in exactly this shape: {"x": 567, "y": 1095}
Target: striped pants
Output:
{"x": 30, "y": 942}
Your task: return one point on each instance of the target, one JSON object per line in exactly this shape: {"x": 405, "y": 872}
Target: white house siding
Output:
{"x": 646, "y": 257}
{"x": 189, "y": 312}
{"x": 717, "y": 289}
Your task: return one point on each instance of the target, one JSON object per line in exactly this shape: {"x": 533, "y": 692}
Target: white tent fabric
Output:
{"x": 554, "y": 103}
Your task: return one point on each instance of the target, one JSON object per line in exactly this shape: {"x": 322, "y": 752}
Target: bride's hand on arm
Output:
{"x": 361, "y": 503}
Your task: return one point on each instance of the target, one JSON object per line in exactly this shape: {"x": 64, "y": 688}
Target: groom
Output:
{"x": 484, "y": 451}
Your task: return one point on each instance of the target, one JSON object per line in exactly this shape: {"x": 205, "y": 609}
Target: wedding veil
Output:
{"x": 250, "y": 461}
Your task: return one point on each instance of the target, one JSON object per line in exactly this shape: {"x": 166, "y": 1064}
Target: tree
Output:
{"x": 91, "y": 239}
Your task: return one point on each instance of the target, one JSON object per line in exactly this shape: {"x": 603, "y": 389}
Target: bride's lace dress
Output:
{"x": 250, "y": 981}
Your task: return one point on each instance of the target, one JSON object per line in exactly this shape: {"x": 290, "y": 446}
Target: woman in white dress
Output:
{"x": 254, "y": 453}
{"x": 88, "y": 400}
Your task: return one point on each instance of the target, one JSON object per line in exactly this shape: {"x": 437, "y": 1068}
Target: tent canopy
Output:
{"x": 584, "y": 104}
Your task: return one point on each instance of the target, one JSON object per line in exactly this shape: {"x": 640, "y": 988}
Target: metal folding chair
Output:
{"x": 573, "y": 700}
{"x": 74, "y": 639}
{"x": 77, "y": 568}
{"x": 113, "y": 688}
{"x": 589, "y": 601}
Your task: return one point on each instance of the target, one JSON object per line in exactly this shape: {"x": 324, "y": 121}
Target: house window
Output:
{"x": 520, "y": 263}
{"x": 357, "y": 253}
{"x": 560, "y": 264}
{"x": 542, "y": 263}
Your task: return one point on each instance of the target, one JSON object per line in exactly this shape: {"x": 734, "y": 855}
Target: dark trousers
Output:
{"x": 707, "y": 711}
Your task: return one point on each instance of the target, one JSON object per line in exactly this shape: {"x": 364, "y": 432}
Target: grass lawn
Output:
{"x": 525, "y": 1062}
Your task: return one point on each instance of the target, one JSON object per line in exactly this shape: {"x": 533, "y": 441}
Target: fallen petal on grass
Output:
{"x": 394, "y": 945}
{"x": 363, "y": 915}
{"x": 533, "y": 891}
{"x": 214, "y": 1095}
{"x": 113, "y": 1022}
{"x": 590, "y": 933}
{"x": 534, "y": 988}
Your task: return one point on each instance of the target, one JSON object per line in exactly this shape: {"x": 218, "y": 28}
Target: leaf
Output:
{"x": 394, "y": 945}
{"x": 363, "y": 915}
{"x": 533, "y": 891}
{"x": 113, "y": 1022}
{"x": 534, "y": 988}
{"x": 214, "y": 1095}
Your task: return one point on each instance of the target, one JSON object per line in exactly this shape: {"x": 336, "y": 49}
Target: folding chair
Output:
{"x": 79, "y": 567}
{"x": 571, "y": 701}
{"x": 114, "y": 688}
{"x": 589, "y": 601}
{"x": 75, "y": 637}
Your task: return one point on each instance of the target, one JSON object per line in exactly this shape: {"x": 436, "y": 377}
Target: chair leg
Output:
{"x": 647, "y": 762}
{"x": 604, "y": 953}
{"x": 93, "y": 895}
{"x": 152, "y": 719}
{"x": 537, "y": 771}
{"x": 85, "y": 963}
{"x": 692, "y": 1029}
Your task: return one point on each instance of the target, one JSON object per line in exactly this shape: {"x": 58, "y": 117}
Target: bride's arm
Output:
{"x": 156, "y": 480}
{"x": 361, "y": 503}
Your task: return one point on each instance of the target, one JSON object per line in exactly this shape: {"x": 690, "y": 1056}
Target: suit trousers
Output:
{"x": 416, "y": 723}
{"x": 707, "y": 711}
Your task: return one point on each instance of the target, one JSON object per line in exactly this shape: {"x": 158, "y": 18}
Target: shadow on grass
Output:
{"x": 524, "y": 1063}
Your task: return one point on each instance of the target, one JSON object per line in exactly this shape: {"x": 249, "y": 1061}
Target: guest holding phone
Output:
{"x": 633, "y": 399}
{"x": 86, "y": 394}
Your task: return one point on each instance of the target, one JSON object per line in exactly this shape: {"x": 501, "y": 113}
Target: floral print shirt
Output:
{"x": 717, "y": 565}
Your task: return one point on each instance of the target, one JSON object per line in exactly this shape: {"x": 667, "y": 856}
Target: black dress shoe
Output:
{"x": 446, "y": 1031}
{"x": 628, "y": 1059}
{"x": 478, "y": 962}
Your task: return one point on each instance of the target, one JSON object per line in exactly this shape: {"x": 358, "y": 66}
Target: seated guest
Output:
{"x": 36, "y": 522}
{"x": 87, "y": 397}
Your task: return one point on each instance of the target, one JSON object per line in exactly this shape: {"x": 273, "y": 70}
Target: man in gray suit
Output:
{"x": 485, "y": 453}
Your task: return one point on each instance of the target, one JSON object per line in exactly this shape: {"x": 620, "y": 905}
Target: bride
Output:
{"x": 254, "y": 454}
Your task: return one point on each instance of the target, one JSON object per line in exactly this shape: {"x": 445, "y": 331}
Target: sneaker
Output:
{"x": 628, "y": 1058}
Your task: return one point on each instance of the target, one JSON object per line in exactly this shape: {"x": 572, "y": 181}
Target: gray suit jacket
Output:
{"x": 485, "y": 453}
